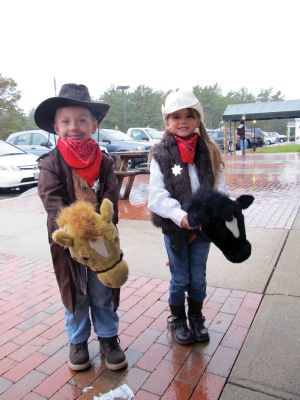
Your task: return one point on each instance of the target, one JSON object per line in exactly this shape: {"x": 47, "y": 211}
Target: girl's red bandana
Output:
{"x": 84, "y": 156}
{"x": 187, "y": 148}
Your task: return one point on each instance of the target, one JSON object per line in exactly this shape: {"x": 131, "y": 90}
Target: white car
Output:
{"x": 150, "y": 135}
{"x": 17, "y": 168}
{"x": 280, "y": 138}
{"x": 269, "y": 138}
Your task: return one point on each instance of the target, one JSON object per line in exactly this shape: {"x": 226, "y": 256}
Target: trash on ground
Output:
{"x": 121, "y": 393}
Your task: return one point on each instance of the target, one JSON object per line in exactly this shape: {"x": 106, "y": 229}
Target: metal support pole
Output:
{"x": 254, "y": 139}
{"x": 123, "y": 88}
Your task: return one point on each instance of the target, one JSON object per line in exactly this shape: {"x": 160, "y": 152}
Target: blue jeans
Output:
{"x": 243, "y": 144}
{"x": 188, "y": 270}
{"x": 99, "y": 300}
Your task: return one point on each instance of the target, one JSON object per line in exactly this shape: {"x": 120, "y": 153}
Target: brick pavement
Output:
{"x": 34, "y": 350}
{"x": 33, "y": 345}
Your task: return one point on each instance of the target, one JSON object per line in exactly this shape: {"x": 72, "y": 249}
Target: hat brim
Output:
{"x": 45, "y": 112}
{"x": 197, "y": 107}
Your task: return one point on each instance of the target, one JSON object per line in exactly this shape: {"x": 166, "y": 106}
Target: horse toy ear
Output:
{"x": 106, "y": 210}
{"x": 245, "y": 200}
{"x": 63, "y": 238}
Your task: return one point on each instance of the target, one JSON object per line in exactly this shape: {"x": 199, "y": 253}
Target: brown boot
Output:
{"x": 196, "y": 320}
{"x": 79, "y": 358}
{"x": 177, "y": 323}
{"x": 113, "y": 354}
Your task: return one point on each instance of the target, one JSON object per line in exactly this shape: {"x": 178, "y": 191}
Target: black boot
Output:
{"x": 196, "y": 320}
{"x": 177, "y": 323}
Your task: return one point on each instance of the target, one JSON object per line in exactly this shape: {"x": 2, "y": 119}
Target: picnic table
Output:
{"x": 122, "y": 170}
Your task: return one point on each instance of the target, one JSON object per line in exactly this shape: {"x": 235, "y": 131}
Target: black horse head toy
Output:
{"x": 221, "y": 221}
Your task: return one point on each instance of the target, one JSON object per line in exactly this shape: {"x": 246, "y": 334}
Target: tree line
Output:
{"x": 139, "y": 107}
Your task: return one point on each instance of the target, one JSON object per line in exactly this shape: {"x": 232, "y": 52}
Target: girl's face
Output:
{"x": 74, "y": 123}
{"x": 182, "y": 122}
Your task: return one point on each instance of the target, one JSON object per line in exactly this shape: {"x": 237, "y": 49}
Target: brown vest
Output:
{"x": 167, "y": 155}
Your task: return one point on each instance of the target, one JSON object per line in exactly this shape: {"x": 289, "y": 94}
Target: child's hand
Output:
{"x": 184, "y": 223}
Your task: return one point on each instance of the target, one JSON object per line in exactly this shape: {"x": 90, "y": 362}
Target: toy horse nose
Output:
{"x": 241, "y": 255}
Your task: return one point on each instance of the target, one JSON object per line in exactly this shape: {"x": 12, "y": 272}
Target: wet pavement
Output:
{"x": 244, "y": 306}
{"x": 273, "y": 179}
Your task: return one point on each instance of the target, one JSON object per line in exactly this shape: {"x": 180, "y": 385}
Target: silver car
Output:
{"x": 35, "y": 141}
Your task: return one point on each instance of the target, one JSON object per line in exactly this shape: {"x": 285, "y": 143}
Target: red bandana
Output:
{"x": 84, "y": 156}
{"x": 187, "y": 148}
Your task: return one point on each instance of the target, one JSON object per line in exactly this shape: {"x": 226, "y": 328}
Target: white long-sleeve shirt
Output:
{"x": 160, "y": 201}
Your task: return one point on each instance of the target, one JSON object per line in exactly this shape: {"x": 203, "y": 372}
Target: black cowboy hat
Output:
{"x": 70, "y": 94}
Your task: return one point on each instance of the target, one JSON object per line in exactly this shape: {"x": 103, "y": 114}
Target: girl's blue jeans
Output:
{"x": 188, "y": 270}
{"x": 95, "y": 307}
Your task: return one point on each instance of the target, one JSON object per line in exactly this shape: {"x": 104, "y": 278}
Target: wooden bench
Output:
{"x": 130, "y": 174}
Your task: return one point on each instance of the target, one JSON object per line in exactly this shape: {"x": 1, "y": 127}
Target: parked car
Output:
{"x": 35, "y": 141}
{"x": 217, "y": 136}
{"x": 269, "y": 138}
{"x": 259, "y": 138}
{"x": 116, "y": 141}
{"x": 280, "y": 138}
{"x": 145, "y": 134}
{"x": 17, "y": 168}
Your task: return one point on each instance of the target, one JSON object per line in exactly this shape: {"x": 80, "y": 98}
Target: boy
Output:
{"x": 77, "y": 170}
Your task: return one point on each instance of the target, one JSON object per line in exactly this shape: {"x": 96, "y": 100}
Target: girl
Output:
{"x": 184, "y": 159}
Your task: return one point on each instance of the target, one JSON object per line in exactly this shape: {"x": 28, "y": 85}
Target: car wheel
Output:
{"x": 130, "y": 164}
{"x": 268, "y": 142}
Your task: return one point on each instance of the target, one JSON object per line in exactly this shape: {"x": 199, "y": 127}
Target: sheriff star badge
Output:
{"x": 176, "y": 170}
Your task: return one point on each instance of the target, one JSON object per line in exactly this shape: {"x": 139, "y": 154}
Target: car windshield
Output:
{"x": 153, "y": 133}
{"x": 110, "y": 134}
{"x": 7, "y": 149}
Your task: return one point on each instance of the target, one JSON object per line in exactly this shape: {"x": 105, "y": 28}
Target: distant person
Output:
{"x": 241, "y": 132}
{"x": 77, "y": 170}
{"x": 184, "y": 159}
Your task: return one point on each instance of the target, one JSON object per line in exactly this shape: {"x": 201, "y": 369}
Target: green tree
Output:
{"x": 213, "y": 104}
{"x": 241, "y": 96}
{"x": 142, "y": 108}
{"x": 267, "y": 95}
{"x": 11, "y": 116}
{"x": 114, "y": 117}
{"x": 30, "y": 123}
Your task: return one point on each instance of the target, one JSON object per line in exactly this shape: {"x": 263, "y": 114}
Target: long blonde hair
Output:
{"x": 215, "y": 156}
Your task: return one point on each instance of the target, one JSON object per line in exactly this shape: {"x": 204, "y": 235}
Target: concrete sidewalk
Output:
{"x": 268, "y": 365}
{"x": 258, "y": 300}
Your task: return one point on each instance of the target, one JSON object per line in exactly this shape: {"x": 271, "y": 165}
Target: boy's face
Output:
{"x": 182, "y": 122}
{"x": 74, "y": 123}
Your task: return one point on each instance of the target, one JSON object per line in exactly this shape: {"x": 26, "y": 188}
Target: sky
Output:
{"x": 164, "y": 44}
